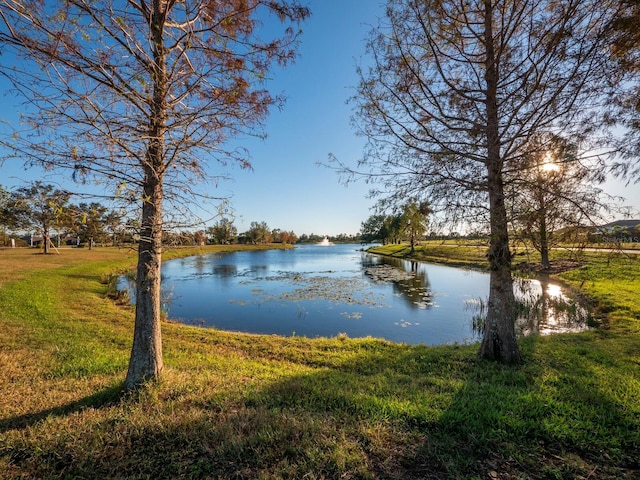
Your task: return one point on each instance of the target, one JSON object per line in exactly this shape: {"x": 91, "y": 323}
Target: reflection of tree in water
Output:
{"x": 205, "y": 265}
{"x": 409, "y": 281}
{"x": 127, "y": 284}
{"x": 542, "y": 308}
{"x": 225, "y": 270}
{"x": 199, "y": 263}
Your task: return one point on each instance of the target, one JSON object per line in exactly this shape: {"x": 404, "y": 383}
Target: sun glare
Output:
{"x": 548, "y": 165}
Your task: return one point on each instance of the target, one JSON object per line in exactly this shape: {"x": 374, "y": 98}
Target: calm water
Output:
{"x": 326, "y": 290}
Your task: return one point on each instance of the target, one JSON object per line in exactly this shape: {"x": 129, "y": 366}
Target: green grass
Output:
{"x": 438, "y": 252}
{"x": 251, "y": 406}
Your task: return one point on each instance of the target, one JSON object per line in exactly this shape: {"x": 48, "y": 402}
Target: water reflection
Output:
{"x": 319, "y": 291}
{"x": 225, "y": 270}
{"x": 409, "y": 282}
{"x": 543, "y": 307}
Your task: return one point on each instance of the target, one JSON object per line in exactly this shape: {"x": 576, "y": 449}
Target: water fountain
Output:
{"x": 325, "y": 242}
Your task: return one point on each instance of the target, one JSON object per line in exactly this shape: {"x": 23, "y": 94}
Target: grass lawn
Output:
{"x": 237, "y": 406}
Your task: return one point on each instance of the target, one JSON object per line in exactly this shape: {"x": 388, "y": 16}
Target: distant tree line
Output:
{"x": 49, "y": 213}
{"x": 340, "y": 238}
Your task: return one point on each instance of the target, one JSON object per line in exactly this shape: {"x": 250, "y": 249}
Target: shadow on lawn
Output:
{"x": 392, "y": 412}
{"x": 101, "y": 399}
{"x": 468, "y": 417}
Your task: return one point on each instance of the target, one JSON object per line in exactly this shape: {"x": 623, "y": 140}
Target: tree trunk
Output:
{"x": 45, "y": 240}
{"x": 146, "y": 354}
{"x": 499, "y": 341}
{"x": 544, "y": 241}
{"x": 544, "y": 245}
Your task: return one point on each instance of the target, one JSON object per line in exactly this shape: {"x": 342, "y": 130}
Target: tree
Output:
{"x": 413, "y": 221}
{"x": 113, "y": 223}
{"x": 288, "y": 237}
{"x": 382, "y": 228}
{"x": 259, "y": 233}
{"x": 39, "y": 206}
{"x": 454, "y": 94}
{"x": 199, "y": 238}
{"x": 371, "y": 229}
{"x": 552, "y": 194}
{"x": 144, "y": 94}
{"x": 7, "y": 220}
{"x": 223, "y": 232}
{"x": 90, "y": 222}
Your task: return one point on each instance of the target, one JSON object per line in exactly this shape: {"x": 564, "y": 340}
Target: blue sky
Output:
{"x": 287, "y": 189}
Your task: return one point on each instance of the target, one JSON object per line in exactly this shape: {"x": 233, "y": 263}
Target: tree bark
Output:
{"x": 499, "y": 341}
{"x": 45, "y": 240}
{"x": 146, "y": 354}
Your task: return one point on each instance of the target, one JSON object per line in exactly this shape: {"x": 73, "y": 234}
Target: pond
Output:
{"x": 324, "y": 291}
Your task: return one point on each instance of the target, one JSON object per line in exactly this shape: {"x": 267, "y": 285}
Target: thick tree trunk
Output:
{"x": 146, "y": 354}
{"x": 499, "y": 341}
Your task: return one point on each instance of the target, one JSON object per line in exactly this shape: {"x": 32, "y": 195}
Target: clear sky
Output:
{"x": 287, "y": 189}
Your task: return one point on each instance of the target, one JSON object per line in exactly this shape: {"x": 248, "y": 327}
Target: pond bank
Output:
{"x": 470, "y": 257}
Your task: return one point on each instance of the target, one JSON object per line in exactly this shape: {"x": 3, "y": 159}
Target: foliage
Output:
{"x": 89, "y": 222}
{"x": 371, "y": 228}
{"x": 284, "y": 236}
{"x": 410, "y": 223}
{"x": 251, "y": 406}
{"x": 223, "y": 232}
{"x": 258, "y": 232}
{"x": 413, "y": 221}
{"x": 39, "y": 206}
{"x": 7, "y": 220}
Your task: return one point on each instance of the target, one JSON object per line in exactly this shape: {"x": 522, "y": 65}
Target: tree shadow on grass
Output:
{"x": 391, "y": 412}
{"x": 465, "y": 417}
{"x": 104, "y": 398}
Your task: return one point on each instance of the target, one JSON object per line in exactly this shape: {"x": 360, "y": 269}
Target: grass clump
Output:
{"x": 237, "y": 406}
